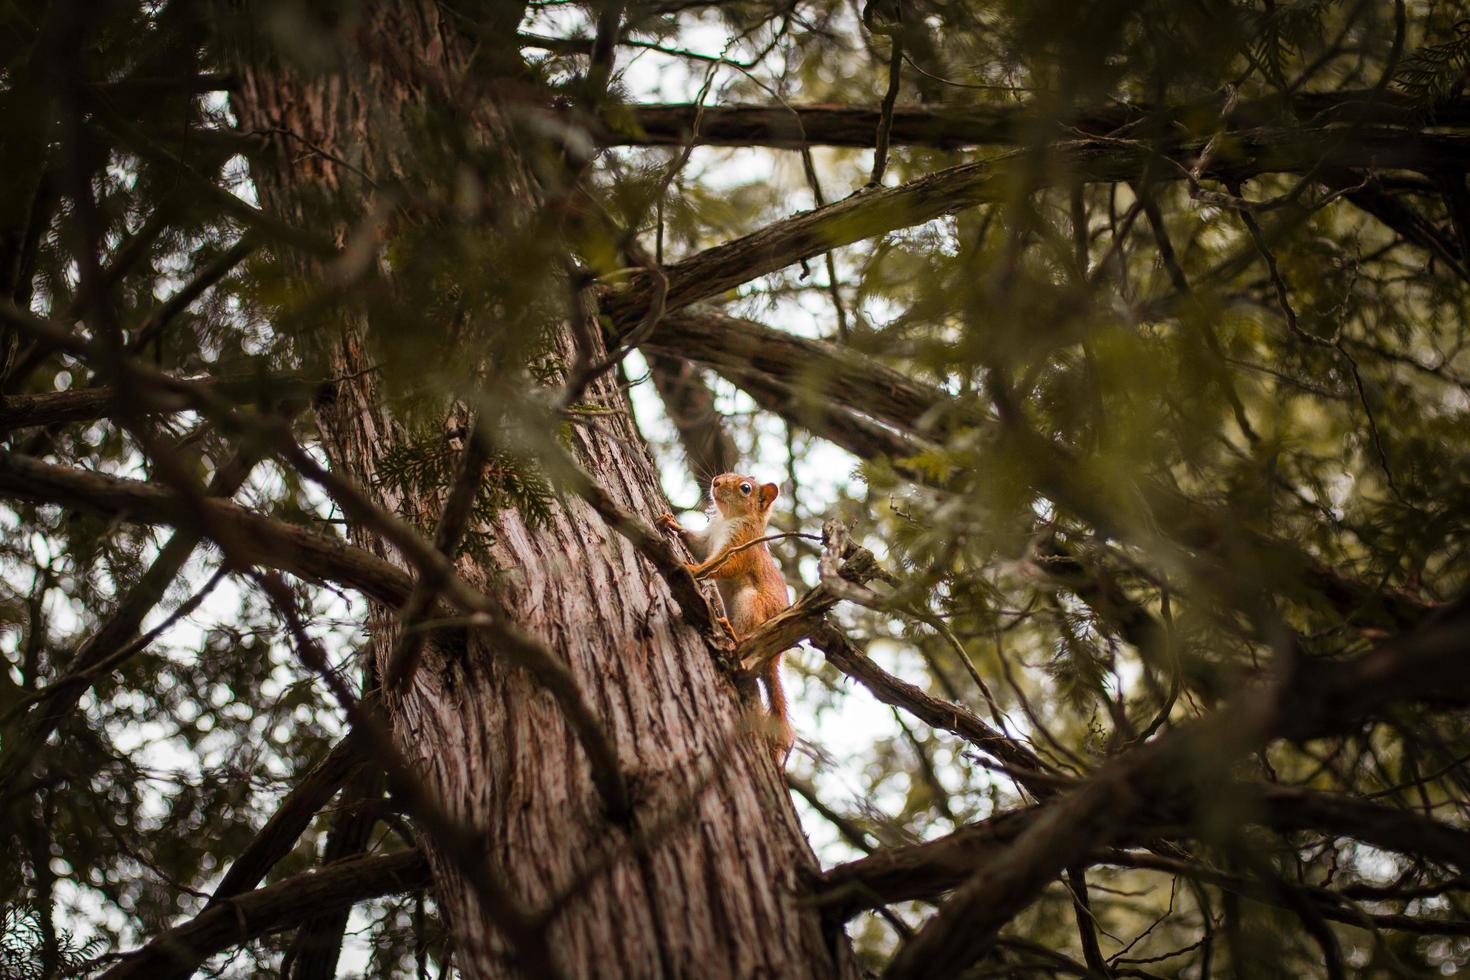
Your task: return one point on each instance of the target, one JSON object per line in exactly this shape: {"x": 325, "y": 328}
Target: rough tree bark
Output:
{"x": 723, "y": 893}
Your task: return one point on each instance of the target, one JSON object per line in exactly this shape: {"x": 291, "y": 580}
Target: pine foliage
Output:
{"x": 23, "y": 948}
{"x": 423, "y": 467}
{"x": 1436, "y": 71}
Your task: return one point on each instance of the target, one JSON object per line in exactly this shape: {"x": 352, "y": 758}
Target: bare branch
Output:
{"x": 690, "y": 406}
{"x": 280, "y": 833}
{"x": 723, "y": 267}
{"x": 404, "y": 658}
{"x": 849, "y": 830}
{"x": 317, "y": 946}
{"x": 869, "y": 409}
{"x": 884, "y": 133}
{"x": 1086, "y": 924}
{"x": 89, "y": 404}
{"x": 266, "y": 542}
{"x": 210, "y": 274}
{"x": 179, "y": 951}
{"x": 953, "y": 127}
{"x": 1114, "y": 801}
{"x": 948, "y": 716}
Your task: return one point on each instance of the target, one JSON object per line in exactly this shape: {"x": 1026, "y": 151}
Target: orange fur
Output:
{"x": 750, "y": 584}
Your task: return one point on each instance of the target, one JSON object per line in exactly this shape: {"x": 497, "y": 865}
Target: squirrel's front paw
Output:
{"x": 668, "y": 522}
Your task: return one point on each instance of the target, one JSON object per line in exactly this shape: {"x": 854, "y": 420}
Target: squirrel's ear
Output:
{"x": 768, "y": 495}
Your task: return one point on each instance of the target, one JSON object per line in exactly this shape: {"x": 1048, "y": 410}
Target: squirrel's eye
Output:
{"x": 745, "y": 489}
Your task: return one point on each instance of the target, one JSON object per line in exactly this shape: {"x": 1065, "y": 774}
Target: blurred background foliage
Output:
{"x": 1291, "y": 375}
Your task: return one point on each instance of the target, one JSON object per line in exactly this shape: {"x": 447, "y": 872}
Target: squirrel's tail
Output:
{"x": 782, "y": 735}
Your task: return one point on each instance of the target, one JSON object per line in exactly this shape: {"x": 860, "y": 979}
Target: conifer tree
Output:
{"x": 1110, "y": 358}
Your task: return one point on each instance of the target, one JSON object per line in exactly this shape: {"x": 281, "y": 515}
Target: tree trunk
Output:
{"x": 721, "y": 894}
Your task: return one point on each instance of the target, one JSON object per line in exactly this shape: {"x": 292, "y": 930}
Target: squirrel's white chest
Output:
{"x": 718, "y": 534}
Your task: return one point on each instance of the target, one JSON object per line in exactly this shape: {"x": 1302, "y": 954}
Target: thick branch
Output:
{"x": 317, "y": 945}
{"x": 914, "y": 871}
{"x": 744, "y": 351}
{"x": 1426, "y": 666}
{"x": 1332, "y": 905}
{"x": 867, "y": 408}
{"x": 54, "y": 408}
{"x": 1163, "y": 776}
{"x": 110, "y": 644}
{"x": 929, "y": 869}
{"x": 1386, "y": 828}
{"x": 804, "y": 618}
{"x": 178, "y": 952}
{"x": 268, "y": 542}
{"x": 691, "y": 407}
{"x": 1400, "y": 217}
{"x": 89, "y": 404}
{"x": 797, "y": 126}
{"x": 807, "y": 235}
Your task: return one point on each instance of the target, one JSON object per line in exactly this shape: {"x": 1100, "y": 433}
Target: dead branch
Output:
{"x": 279, "y": 834}
{"x": 180, "y": 950}
{"x": 803, "y": 236}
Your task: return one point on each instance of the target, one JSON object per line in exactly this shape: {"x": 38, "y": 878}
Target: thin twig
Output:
{"x": 835, "y": 538}
{"x": 885, "y": 120}
{"x": 1206, "y": 330}
{"x": 1335, "y": 342}
{"x": 751, "y": 544}
{"x": 207, "y": 276}
{"x": 118, "y": 656}
{"x": 808, "y": 165}
{"x": 404, "y": 658}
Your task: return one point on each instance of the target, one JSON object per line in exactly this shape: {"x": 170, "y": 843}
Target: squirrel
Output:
{"x": 750, "y": 585}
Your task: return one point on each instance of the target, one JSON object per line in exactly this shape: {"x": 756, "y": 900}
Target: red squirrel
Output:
{"x": 750, "y": 584}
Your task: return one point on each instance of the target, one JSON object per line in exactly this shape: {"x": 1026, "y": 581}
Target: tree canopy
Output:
{"x": 1111, "y": 357}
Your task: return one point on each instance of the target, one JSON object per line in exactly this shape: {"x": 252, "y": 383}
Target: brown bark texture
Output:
{"x": 710, "y": 876}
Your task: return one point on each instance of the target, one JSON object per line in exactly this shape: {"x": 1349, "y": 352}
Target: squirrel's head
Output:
{"x": 740, "y": 496}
